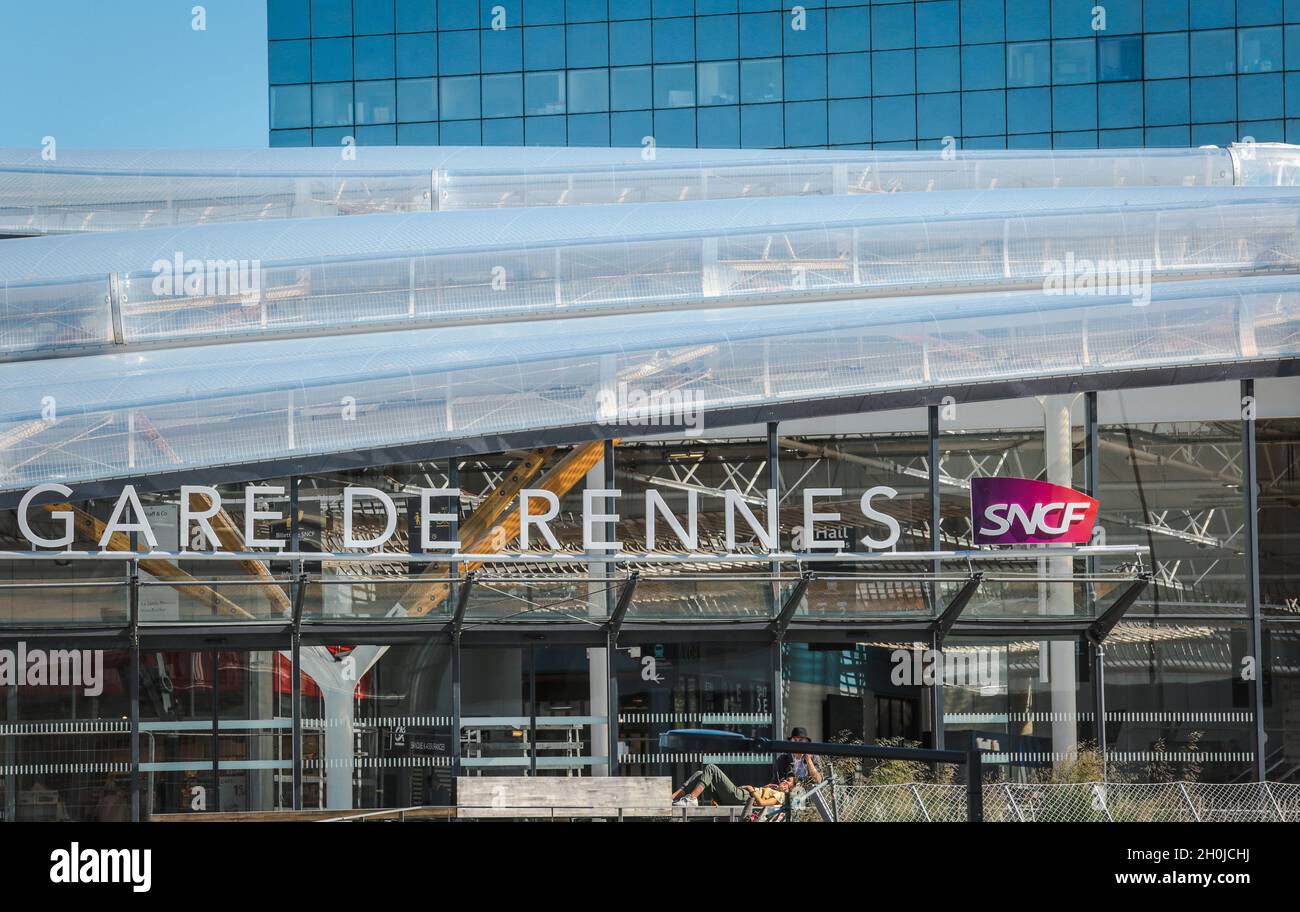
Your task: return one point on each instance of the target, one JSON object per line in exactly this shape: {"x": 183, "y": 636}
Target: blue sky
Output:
{"x": 133, "y": 74}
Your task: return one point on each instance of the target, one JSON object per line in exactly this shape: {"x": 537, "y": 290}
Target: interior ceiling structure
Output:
{"x": 188, "y": 311}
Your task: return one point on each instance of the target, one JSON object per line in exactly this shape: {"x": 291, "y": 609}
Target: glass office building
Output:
{"x": 971, "y": 74}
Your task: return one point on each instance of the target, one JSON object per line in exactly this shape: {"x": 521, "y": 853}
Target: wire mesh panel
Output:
{"x": 878, "y": 804}
{"x": 1144, "y": 802}
{"x": 1286, "y": 796}
{"x": 1232, "y": 802}
{"x": 1076, "y": 802}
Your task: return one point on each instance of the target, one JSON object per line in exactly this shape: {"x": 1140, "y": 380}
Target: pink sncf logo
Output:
{"x": 1021, "y": 511}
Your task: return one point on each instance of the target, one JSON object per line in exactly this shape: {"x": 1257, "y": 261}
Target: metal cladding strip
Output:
{"x": 202, "y": 284}
{"x": 78, "y": 419}
{"x": 121, "y": 190}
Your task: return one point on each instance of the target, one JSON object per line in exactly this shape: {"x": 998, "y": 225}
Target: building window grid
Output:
{"x": 1272, "y": 123}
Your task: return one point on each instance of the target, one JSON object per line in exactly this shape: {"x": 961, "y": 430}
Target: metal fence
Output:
{"x": 1082, "y": 802}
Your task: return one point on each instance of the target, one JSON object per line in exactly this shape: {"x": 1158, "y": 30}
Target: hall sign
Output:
{"x": 1004, "y": 511}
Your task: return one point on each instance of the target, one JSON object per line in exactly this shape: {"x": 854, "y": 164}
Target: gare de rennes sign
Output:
{"x": 1004, "y": 511}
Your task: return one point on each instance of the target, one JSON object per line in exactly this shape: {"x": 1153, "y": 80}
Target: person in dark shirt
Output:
{"x": 795, "y": 767}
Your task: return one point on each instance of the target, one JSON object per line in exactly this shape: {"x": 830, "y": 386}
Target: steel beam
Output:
{"x": 788, "y": 608}
{"x": 619, "y": 614}
{"x": 944, "y": 622}
{"x": 1099, "y": 629}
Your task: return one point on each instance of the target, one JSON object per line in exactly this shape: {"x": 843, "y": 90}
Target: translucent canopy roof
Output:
{"x": 742, "y": 280}
{"x": 109, "y": 191}
{"x": 179, "y": 409}
{"x": 75, "y": 293}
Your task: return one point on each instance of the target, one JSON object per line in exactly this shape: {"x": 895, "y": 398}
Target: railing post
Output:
{"x": 974, "y": 787}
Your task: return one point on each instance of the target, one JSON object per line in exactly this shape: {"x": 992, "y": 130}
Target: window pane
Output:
{"x": 376, "y": 102}
{"x": 375, "y": 57}
{"x": 287, "y": 19}
{"x": 1166, "y": 55}
{"x": 503, "y": 95}
{"x": 760, "y": 80}
{"x": 1074, "y": 61}
{"x": 543, "y": 48}
{"x": 543, "y": 93}
{"x": 629, "y": 88}
{"x": 674, "y": 85}
{"x": 719, "y": 83}
{"x": 1121, "y": 58}
{"x": 331, "y": 60}
{"x": 459, "y": 97}
{"x": 289, "y": 61}
{"x": 1028, "y": 64}
{"x": 417, "y": 99}
{"x": 332, "y": 104}
{"x": 1259, "y": 50}
{"x": 290, "y": 106}
{"x": 417, "y": 55}
{"x": 588, "y": 91}
{"x": 1213, "y": 53}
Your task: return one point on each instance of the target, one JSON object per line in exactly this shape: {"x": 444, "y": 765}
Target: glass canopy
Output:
{"x": 316, "y": 337}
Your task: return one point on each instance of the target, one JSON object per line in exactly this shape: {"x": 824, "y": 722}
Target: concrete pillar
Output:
{"x": 1063, "y": 670}
{"x": 340, "y": 753}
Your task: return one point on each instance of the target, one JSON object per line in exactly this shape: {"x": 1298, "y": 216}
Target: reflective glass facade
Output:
{"x": 387, "y": 716}
{"x": 760, "y": 74}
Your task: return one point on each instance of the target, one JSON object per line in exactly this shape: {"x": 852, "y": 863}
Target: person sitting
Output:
{"x": 796, "y": 767}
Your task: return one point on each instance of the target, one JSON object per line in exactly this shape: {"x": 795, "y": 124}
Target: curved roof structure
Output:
{"x": 111, "y": 191}
{"x": 221, "y": 342}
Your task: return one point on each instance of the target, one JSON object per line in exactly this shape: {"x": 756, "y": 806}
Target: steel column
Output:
{"x": 936, "y": 541}
{"x": 295, "y": 649}
{"x": 135, "y": 690}
{"x": 457, "y": 749}
{"x": 611, "y": 639}
{"x": 1091, "y": 487}
{"x": 778, "y": 643}
{"x": 1250, "y": 529}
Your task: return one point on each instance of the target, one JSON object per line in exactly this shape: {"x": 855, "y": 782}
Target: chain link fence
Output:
{"x": 1082, "y": 802}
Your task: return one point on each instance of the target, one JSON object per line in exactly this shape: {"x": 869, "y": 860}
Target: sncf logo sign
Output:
{"x": 1020, "y": 511}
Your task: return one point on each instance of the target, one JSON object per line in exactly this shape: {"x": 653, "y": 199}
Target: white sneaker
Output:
{"x": 686, "y": 801}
